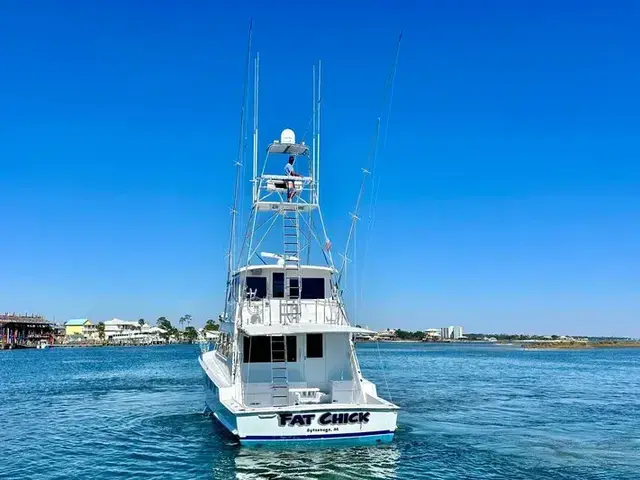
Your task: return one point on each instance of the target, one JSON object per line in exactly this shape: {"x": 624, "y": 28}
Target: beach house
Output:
{"x": 79, "y": 326}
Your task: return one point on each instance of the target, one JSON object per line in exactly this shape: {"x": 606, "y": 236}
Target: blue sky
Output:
{"x": 509, "y": 196}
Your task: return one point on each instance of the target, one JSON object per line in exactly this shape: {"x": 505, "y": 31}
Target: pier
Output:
{"x": 23, "y": 331}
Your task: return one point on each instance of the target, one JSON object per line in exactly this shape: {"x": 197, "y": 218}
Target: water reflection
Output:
{"x": 379, "y": 462}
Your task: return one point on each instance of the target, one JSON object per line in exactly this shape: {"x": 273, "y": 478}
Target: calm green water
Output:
{"x": 484, "y": 412}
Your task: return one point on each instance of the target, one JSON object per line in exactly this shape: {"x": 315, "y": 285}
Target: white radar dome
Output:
{"x": 287, "y": 136}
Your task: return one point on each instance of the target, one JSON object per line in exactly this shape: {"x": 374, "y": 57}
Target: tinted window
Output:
{"x": 292, "y": 348}
{"x": 314, "y": 345}
{"x": 257, "y": 284}
{"x": 294, "y": 291}
{"x": 257, "y": 350}
{"x": 278, "y": 285}
{"x": 312, "y": 288}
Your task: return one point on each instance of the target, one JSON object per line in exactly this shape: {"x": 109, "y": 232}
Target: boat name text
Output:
{"x": 327, "y": 418}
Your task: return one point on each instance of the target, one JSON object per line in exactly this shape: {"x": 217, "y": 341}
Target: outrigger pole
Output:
{"x": 371, "y": 162}
{"x": 238, "y": 164}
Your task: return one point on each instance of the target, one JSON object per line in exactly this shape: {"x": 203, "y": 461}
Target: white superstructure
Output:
{"x": 284, "y": 367}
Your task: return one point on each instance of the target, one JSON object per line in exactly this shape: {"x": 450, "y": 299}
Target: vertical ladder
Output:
{"x": 279, "y": 372}
{"x": 290, "y": 308}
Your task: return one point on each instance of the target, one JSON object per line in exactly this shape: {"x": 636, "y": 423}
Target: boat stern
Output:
{"x": 355, "y": 425}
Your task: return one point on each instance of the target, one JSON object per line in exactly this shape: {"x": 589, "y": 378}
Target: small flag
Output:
{"x": 327, "y": 245}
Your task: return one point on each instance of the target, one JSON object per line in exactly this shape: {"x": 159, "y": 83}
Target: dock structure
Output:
{"x": 23, "y": 330}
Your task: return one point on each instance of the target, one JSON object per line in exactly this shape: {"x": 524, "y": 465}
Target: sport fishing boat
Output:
{"x": 284, "y": 368}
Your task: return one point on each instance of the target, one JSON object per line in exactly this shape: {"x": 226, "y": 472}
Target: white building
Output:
{"x": 432, "y": 333}
{"x": 446, "y": 333}
{"x": 116, "y": 326}
{"x": 387, "y": 334}
{"x": 457, "y": 333}
{"x": 148, "y": 336}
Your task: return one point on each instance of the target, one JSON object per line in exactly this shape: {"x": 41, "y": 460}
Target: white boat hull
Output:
{"x": 326, "y": 424}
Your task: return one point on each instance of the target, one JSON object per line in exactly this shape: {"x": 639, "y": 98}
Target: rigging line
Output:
{"x": 232, "y": 234}
{"x": 315, "y": 237}
{"x": 372, "y": 153}
{"x": 384, "y": 374}
{"x": 375, "y": 180}
{"x": 308, "y": 127}
{"x": 326, "y": 238}
{"x": 255, "y": 250}
{"x": 246, "y": 245}
{"x": 391, "y": 88}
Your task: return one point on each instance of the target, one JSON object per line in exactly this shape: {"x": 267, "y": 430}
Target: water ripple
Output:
{"x": 468, "y": 412}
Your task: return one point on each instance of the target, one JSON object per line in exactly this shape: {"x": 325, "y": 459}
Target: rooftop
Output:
{"x": 76, "y": 322}
{"x": 17, "y": 318}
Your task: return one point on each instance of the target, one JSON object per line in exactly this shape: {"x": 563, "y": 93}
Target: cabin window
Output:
{"x": 257, "y": 285}
{"x": 294, "y": 291}
{"x": 233, "y": 288}
{"x": 292, "y": 348}
{"x": 314, "y": 345}
{"x": 278, "y": 285}
{"x": 312, "y": 288}
{"x": 257, "y": 349}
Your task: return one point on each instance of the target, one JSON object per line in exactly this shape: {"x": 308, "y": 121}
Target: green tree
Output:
{"x": 211, "y": 325}
{"x": 190, "y": 334}
{"x": 185, "y": 320}
{"x": 140, "y": 323}
{"x": 100, "y": 329}
{"x": 165, "y": 324}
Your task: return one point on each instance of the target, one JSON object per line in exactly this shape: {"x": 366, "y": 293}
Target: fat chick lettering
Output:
{"x": 328, "y": 418}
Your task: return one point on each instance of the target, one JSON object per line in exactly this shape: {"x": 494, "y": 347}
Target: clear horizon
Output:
{"x": 509, "y": 183}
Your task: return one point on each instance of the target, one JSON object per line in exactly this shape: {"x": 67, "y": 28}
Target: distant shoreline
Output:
{"x": 579, "y": 345}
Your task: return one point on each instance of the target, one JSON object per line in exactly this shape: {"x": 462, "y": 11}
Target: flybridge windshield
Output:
{"x": 273, "y": 286}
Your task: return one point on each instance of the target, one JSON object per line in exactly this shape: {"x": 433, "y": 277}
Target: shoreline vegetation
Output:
{"x": 526, "y": 342}
{"x": 574, "y": 345}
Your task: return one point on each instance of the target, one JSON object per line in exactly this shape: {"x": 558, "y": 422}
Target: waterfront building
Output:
{"x": 457, "y": 333}
{"x": 129, "y": 332}
{"x": 446, "y": 333}
{"x": 115, "y": 327}
{"x": 80, "y": 327}
{"x": 18, "y": 330}
{"x": 388, "y": 334}
{"x": 432, "y": 334}
{"x": 143, "y": 336}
